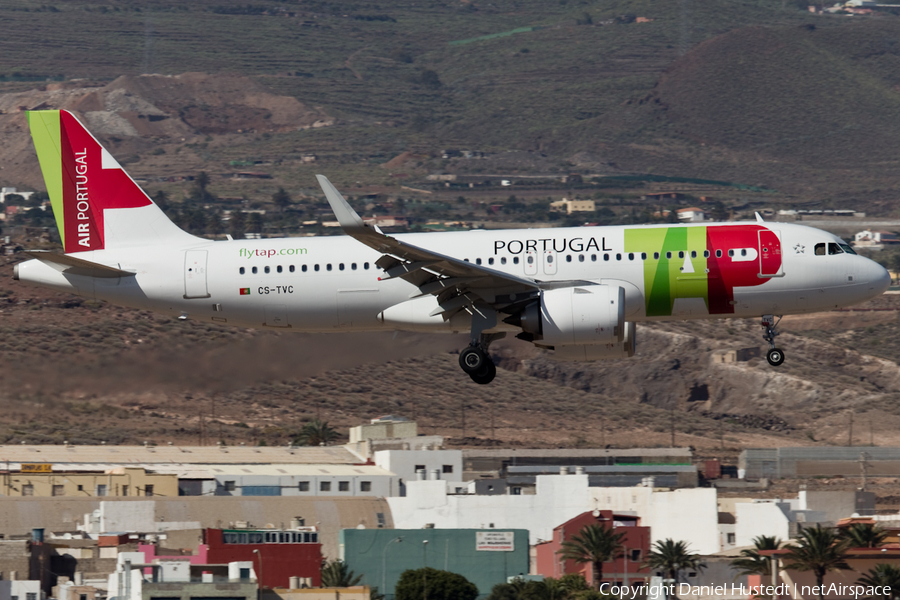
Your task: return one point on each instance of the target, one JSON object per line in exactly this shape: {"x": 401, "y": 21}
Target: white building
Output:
{"x": 132, "y": 578}
{"x": 771, "y": 517}
{"x": 689, "y": 514}
{"x": 446, "y": 465}
{"x": 691, "y": 214}
{"x": 9, "y": 191}
{"x": 303, "y": 480}
{"x": 20, "y": 590}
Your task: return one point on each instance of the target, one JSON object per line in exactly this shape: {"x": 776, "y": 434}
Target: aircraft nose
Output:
{"x": 878, "y": 277}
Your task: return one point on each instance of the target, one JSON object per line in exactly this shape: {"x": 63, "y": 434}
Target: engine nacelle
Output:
{"x": 593, "y": 314}
{"x": 591, "y": 352}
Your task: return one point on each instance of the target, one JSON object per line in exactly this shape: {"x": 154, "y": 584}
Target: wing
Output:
{"x": 458, "y": 285}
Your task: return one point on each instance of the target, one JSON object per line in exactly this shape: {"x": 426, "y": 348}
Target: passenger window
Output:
{"x": 731, "y": 253}
{"x": 278, "y": 268}
{"x": 353, "y": 266}
{"x": 253, "y": 270}
{"x": 643, "y": 256}
{"x": 341, "y": 266}
{"x": 681, "y": 255}
{"x": 706, "y": 254}
{"x": 291, "y": 268}
{"x": 693, "y": 254}
{"x": 530, "y": 260}
{"x": 593, "y": 258}
{"x": 631, "y": 256}
{"x": 718, "y": 254}
{"x": 490, "y": 261}
{"x": 656, "y": 256}
{"x": 743, "y": 252}
{"x": 502, "y": 260}
{"x": 266, "y": 269}
{"x": 466, "y": 260}
{"x": 477, "y": 261}
{"x": 618, "y": 257}
{"x": 515, "y": 260}
{"x": 242, "y": 270}
{"x": 366, "y": 266}
{"x": 606, "y": 257}
{"x": 581, "y": 258}
{"x": 549, "y": 259}
{"x": 668, "y": 255}
{"x": 303, "y": 268}
{"x": 316, "y": 268}
{"x": 568, "y": 258}
{"x": 834, "y": 249}
{"x": 328, "y": 267}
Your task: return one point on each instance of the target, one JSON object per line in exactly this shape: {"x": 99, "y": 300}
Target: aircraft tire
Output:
{"x": 775, "y": 356}
{"x": 487, "y": 375}
{"x": 472, "y": 360}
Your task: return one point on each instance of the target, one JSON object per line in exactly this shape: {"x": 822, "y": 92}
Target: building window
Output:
{"x": 80, "y": 488}
{"x": 635, "y": 556}
{"x": 30, "y": 596}
{"x": 229, "y": 486}
{"x": 365, "y": 486}
{"x": 28, "y": 490}
{"x": 447, "y": 468}
{"x": 148, "y": 490}
{"x": 420, "y": 467}
{"x": 343, "y": 486}
{"x": 124, "y": 490}
{"x": 515, "y": 491}
{"x": 303, "y": 486}
{"x": 58, "y": 490}
{"x": 101, "y": 490}
{"x": 731, "y": 538}
{"x": 324, "y": 486}
{"x": 82, "y": 596}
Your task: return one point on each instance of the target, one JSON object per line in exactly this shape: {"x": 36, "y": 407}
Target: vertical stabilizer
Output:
{"x": 96, "y": 204}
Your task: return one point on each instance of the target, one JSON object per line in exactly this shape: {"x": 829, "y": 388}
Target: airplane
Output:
{"x": 577, "y": 291}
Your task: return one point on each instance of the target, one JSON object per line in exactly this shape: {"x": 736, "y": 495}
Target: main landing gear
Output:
{"x": 475, "y": 359}
{"x": 477, "y": 363}
{"x": 775, "y": 356}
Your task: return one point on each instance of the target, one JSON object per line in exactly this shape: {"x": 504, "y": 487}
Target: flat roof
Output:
{"x": 296, "y": 470}
{"x": 573, "y": 453}
{"x": 180, "y": 455}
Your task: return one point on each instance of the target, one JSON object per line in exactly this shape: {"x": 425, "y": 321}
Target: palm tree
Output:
{"x": 593, "y": 544}
{"x": 752, "y": 562}
{"x": 316, "y": 433}
{"x": 864, "y": 535}
{"x": 336, "y": 574}
{"x": 883, "y": 576}
{"x": 672, "y": 557}
{"x": 820, "y": 550}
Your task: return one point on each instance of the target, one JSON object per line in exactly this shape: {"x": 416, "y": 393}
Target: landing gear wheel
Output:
{"x": 473, "y": 359}
{"x": 486, "y": 376}
{"x": 775, "y": 357}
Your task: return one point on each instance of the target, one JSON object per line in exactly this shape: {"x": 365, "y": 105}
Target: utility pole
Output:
{"x": 672, "y": 423}
{"x": 863, "y": 466}
{"x": 850, "y": 435}
{"x": 871, "y": 434}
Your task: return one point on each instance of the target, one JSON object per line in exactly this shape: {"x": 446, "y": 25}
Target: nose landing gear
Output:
{"x": 775, "y": 356}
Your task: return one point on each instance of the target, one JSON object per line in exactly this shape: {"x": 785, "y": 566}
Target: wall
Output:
{"x": 688, "y": 514}
{"x": 20, "y": 589}
{"x": 557, "y": 499}
{"x": 275, "y": 564}
{"x": 127, "y": 482}
{"x": 403, "y": 463}
{"x": 380, "y": 560}
{"x": 352, "y": 593}
{"x": 385, "y": 430}
{"x": 288, "y": 485}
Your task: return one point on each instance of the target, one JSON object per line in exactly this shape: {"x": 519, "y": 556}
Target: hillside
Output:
{"x": 87, "y": 372}
{"x": 756, "y": 92}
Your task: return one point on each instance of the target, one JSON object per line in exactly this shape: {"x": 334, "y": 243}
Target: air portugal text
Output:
{"x": 82, "y": 204}
{"x": 577, "y": 244}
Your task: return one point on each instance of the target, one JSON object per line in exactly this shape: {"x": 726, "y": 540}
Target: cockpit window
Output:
{"x": 847, "y": 248}
{"x": 834, "y": 249}
{"x": 820, "y": 249}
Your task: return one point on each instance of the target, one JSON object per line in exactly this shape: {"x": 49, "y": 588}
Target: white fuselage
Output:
{"x": 316, "y": 284}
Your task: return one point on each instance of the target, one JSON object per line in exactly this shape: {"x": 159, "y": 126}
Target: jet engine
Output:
{"x": 580, "y": 323}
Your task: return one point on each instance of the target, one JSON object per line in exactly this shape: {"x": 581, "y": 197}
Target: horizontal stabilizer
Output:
{"x": 70, "y": 265}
